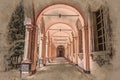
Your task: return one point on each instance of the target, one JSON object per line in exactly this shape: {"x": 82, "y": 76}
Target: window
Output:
{"x": 80, "y": 41}
{"x": 99, "y": 31}
{"x": 79, "y": 28}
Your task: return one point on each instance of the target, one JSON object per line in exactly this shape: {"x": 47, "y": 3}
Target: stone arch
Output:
{"x": 74, "y": 32}
{"x": 81, "y": 12}
{"x": 86, "y": 42}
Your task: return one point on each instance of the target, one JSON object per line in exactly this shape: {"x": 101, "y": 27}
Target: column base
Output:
{"x": 33, "y": 71}
{"x": 76, "y": 64}
{"x": 41, "y": 65}
{"x": 87, "y": 72}
{"x": 44, "y": 64}
{"x": 25, "y": 69}
{"x": 47, "y": 60}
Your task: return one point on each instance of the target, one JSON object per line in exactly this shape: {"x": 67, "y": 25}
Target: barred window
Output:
{"x": 99, "y": 31}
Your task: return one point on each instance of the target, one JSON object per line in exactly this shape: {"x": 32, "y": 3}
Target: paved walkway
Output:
{"x": 59, "y": 70}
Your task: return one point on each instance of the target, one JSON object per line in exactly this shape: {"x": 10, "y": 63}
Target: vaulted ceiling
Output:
{"x": 60, "y": 22}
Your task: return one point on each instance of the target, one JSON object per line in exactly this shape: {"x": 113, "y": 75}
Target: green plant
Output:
{"x": 16, "y": 31}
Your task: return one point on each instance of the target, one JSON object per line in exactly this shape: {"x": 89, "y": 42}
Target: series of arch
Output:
{"x": 42, "y": 36}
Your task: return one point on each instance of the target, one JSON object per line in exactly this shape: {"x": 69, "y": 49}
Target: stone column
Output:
{"x": 86, "y": 50}
{"x": 40, "y": 48}
{"x": 44, "y": 50}
{"x": 71, "y": 51}
{"x": 65, "y": 52}
{"x": 34, "y": 47}
{"x": 76, "y": 53}
{"x": 26, "y": 63}
{"x": 27, "y": 46}
{"x": 74, "y": 49}
{"x": 51, "y": 50}
{"x": 47, "y": 50}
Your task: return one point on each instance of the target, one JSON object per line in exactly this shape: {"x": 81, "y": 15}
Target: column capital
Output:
{"x": 75, "y": 37}
{"x": 29, "y": 26}
{"x": 86, "y": 27}
{"x": 68, "y": 44}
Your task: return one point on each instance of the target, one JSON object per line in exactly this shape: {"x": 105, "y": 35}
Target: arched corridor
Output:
{"x": 59, "y": 40}
{"x": 58, "y": 24}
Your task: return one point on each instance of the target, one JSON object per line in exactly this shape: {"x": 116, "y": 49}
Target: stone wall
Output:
{"x": 110, "y": 72}
{"x": 114, "y": 9}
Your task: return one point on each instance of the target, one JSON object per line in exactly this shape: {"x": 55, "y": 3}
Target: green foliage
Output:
{"x": 16, "y": 29}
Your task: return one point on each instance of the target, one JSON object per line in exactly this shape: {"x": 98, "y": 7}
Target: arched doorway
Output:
{"x": 52, "y": 19}
{"x": 60, "y": 51}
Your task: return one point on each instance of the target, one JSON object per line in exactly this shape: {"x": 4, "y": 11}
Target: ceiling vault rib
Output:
{"x": 62, "y": 29}
{"x": 60, "y": 39}
{"x": 59, "y": 15}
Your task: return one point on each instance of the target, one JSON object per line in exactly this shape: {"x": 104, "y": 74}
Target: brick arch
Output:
{"x": 81, "y": 12}
{"x": 62, "y": 23}
{"x": 86, "y": 32}
{"x": 62, "y": 32}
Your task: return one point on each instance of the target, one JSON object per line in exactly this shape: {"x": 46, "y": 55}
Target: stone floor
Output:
{"x": 60, "y": 69}
{"x": 10, "y": 75}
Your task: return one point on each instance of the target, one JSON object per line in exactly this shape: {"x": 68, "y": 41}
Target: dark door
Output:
{"x": 60, "y": 51}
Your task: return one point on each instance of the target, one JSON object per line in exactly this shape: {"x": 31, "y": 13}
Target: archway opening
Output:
{"x": 58, "y": 16}
{"x": 60, "y": 51}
